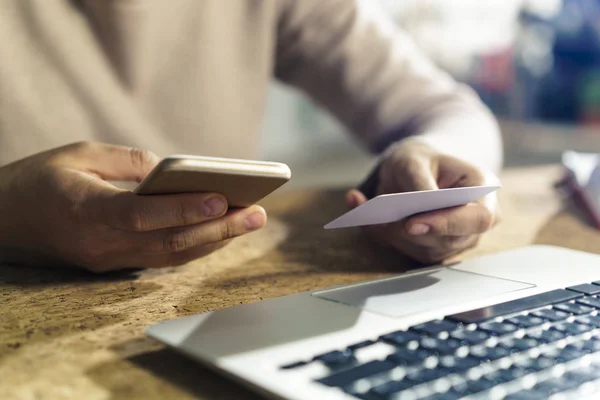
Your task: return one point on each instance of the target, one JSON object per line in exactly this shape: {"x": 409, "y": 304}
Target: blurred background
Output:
{"x": 535, "y": 63}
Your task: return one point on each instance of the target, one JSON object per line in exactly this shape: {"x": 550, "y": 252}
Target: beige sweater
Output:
{"x": 191, "y": 76}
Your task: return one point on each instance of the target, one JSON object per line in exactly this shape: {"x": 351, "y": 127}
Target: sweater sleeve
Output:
{"x": 357, "y": 64}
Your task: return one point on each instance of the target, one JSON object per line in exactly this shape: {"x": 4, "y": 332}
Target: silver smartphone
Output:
{"x": 242, "y": 182}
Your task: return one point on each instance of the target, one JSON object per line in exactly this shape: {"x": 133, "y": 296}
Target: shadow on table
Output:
{"x": 180, "y": 377}
{"x": 27, "y": 276}
{"x": 309, "y": 258}
{"x": 334, "y": 250}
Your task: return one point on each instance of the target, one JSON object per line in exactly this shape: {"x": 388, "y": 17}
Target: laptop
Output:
{"x": 519, "y": 324}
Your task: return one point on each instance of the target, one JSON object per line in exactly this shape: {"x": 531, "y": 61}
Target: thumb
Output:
{"x": 117, "y": 163}
{"x": 410, "y": 175}
{"x": 355, "y": 198}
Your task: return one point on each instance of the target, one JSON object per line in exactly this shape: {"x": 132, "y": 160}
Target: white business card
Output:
{"x": 388, "y": 208}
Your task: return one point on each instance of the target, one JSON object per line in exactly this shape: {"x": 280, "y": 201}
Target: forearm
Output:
{"x": 371, "y": 76}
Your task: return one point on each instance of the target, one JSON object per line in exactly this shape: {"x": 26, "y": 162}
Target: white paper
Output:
{"x": 394, "y": 207}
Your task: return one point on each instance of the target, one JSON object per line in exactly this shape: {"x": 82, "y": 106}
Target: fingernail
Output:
{"x": 214, "y": 206}
{"x": 255, "y": 221}
{"x": 418, "y": 229}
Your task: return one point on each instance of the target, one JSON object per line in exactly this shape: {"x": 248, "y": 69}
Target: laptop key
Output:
{"x": 535, "y": 364}
{"x": 580, "y": 377}
{"x": 515, "y": 345}
{"x": 489, "y": 353}
{"x": 361, "y": 345}
{"x": 336, "y": 358}
{"x": 515, "y": 306}
{"x": 548, "y": 336}
{"x": 471, "y": 337}
{"x": 388, "y": 389}
{"x": 427, "y": 375}
{"x": 345, "y": 378}
{"x": 365, "y": 396}
{"x": 524, "y": 396}
{"x": 457, "y": 365}
{"x": 586, "y": 288}
{"x": 551, "y": 314}
{"x": 552, "y": 386}
{"x": 526, "y": 321}
{"x": 572, "y": 328}
{"x": 574, "y": 308}
{"x": 589, "y": 346}
{"x": 569, "y": 353}
{"x": 400, "y": 338}
{"x": 434, "y": 328}
{"x": 296, "y": 364}
{"x": 590, "y": 301}
{"x": 506, "y": 375}
{"x": 409, "y": 357}
{"x": 440, "y": 346}
{"x": 479, "y": 385}
{"x": 498, "y": 328}
{"x": 449, "y": 395}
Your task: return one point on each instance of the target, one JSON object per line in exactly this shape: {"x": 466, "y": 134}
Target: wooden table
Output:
{"x": 69, "y": 334}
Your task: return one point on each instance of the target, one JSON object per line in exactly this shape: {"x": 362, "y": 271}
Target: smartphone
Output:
{"x": 242, "y": 182}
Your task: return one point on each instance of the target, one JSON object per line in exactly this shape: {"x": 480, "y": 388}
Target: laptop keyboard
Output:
{"x": 538, "y": 347}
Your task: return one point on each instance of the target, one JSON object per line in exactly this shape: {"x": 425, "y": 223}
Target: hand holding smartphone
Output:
{"x": 242, "y": 182}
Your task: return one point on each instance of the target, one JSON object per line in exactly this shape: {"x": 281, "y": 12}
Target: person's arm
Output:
{"x": 60, "y": 209}
{"x": 434, "y": 132}
{"x": 370, "y": 75}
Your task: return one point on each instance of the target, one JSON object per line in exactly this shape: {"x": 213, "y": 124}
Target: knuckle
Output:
{"x": 410, "y": 165}
{"x": 140, "y": 157}
{"x": 178, "y": 241}
{"x": 138, "y": 220}
{"x": 226, "y": 230}
{"x": 71, "y": 151}
{"x": 443, "y": 226}
{"x": 185, "y": 215}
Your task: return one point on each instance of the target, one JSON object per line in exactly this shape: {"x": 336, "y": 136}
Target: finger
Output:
{"x": 355, "y": 198}
{"x": 470, "y": 219}
{"x": 110, "y": 162}
{"x": 397, "y": 233}
{"x": 427, "y": 249}
{"x": 454, "y": 172}
{"x": 130, "y": 212}
{"x": 408, "y": 174}
{"x": 176, "y": 240}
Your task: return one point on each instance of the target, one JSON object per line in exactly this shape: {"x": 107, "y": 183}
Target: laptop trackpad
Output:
{"x": 402, "y": 296}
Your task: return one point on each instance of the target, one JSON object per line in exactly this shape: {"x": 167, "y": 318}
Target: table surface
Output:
{"x": 68, "y": 334}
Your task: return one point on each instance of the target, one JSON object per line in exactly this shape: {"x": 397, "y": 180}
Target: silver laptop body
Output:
{"x": 516, "y": 323}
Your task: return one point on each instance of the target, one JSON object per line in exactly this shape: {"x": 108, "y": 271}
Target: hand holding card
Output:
{"x": 397, "y": 206}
